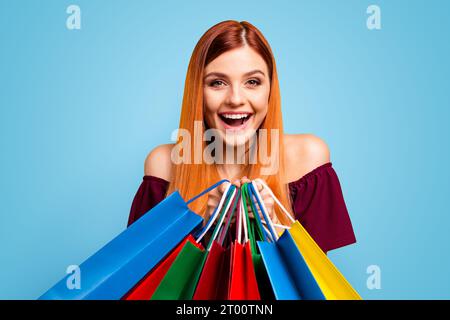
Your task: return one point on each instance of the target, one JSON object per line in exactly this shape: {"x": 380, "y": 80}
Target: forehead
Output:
{"x": 237, "y": 62}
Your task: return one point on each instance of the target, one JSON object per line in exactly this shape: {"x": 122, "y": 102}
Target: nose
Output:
{"x": 235, "y": 97}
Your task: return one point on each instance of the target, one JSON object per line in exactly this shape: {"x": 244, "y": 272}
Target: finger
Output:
{"x": 259, "y": 186}
{"x": 223, "y": 187}
{"x": 214, "y": 196}
{"x": 268, "y": 201}
{"x": 237, "y": 183}
{"x": 245, "y": 180}
{"x": 252, "y": 215}
{"x": 215, "y": 193}
{"x": 273, "y": 216}
{"x": 275, "y": 219}
{"x": 211, "y": 207}
{"x": 265, "y": 194}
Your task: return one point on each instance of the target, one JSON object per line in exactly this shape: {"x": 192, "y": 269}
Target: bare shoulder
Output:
{"x": 303, "y": 153}
{"x": 158, "y": 162}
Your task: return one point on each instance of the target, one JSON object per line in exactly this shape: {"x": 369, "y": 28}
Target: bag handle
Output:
{"x": 249, "y": 194}
{"x": 263, "y": 223}
{"x": 246, "y": 190}
{"x": 243, "y": 225}
{"x": 216, "y": 211}
{"x": 229, "y": 218}
{"x": 231, "y": 203}
{"x": 222, "y": 217}
{"x": 247, "y": 219}
{"x": 215, "y": 185}
{"x": 251, "y": 235}
{"x": 238, "y": 221}
{"x": 264, "y": 211}
{"x": 199, "y": 232}
{"x": 265, "y": 186}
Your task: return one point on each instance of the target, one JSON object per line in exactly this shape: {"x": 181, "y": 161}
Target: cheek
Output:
{"x": 260, "y": 102}
{"x": 212, "y": 100}
{"x": 211, "y": 106}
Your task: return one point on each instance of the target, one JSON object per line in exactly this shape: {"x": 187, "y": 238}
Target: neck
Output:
{"x": 231, "y": 171}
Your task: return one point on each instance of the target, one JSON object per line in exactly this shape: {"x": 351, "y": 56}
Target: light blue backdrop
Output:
{"x": 81, "y": 109}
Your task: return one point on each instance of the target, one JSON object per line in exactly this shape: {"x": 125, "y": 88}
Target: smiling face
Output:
{"x": 236, "y": 93}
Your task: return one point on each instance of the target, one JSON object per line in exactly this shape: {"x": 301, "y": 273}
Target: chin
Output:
{"x": 237, "y": 138}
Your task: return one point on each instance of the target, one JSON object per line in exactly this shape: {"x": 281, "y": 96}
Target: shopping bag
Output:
{"x": 114, "y": 269}
{"x": 290, "y": 277}
{"x": 243, "y": 284}
{"x": 331, "y": 282}
{"x": 145, "y": 288}
{"x": 181, "y": 279}
{"x": 213, "y": 282}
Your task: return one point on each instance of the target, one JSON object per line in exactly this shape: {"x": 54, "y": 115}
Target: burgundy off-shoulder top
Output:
{"x": 316, "y": 198}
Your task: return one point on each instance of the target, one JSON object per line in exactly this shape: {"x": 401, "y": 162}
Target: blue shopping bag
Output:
{"x": 289, "y": 275}
{"x": 113, "y": 270}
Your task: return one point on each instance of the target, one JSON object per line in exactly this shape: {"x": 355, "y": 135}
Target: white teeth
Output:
{"x": 235, "y": 116}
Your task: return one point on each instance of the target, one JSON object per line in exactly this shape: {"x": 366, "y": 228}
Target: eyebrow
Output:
{"x": 219, "y": 74}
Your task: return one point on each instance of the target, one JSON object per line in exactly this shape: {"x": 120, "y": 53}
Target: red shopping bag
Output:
{"x": 147, "y": 286}
{"x": 242, "y": 285}
{"x": 213, "y": 283}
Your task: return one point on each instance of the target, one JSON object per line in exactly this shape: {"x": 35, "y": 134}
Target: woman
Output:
{"x": 232, "y": 88}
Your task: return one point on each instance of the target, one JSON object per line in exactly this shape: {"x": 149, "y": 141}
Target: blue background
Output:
{"x": 81, "y": 109}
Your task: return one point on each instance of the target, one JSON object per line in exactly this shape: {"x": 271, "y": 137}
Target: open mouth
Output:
{"x": 235, "y": 120}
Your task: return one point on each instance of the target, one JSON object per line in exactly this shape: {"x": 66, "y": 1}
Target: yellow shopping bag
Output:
{"x": 332, "y": 283}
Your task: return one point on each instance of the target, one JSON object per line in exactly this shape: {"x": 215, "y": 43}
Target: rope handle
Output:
{"x": 274, "y": 198}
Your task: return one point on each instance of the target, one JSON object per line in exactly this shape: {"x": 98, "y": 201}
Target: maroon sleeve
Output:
{"x": 151, "y": 191}
{"x": 318, "y": 204}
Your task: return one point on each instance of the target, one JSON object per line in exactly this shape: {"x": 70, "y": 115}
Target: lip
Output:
{"x": 236, "y": 128}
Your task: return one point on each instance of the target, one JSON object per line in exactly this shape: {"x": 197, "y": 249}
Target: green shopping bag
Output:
{"x": 182, "y": 277}
{"x": 256, "y": 234}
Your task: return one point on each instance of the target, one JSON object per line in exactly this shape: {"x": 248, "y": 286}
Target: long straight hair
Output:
{"x": 191, "y": 178}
